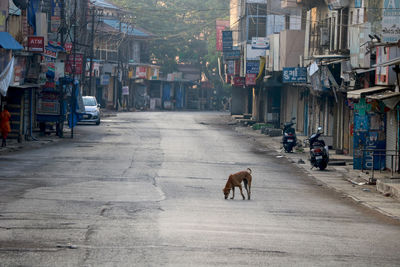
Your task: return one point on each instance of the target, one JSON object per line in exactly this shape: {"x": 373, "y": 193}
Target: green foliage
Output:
{"x": 184, "y": 31}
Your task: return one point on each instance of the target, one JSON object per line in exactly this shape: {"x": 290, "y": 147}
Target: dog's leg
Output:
{"x": 245, "y": 187}
{"x": 249, "y": 192}
{"x": 241, "y": 192}
{"x": 233, "y": 192}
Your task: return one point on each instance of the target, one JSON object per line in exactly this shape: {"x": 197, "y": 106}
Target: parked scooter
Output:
{"x": 289, "y": 139}
{"x": 319, "y": 152}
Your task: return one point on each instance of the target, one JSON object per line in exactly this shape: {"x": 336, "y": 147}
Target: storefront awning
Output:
{"x": 389, "y": 98}
{"x": 357, "y": 94}
{"x": 8, "y": 42}
{"x": 360, "y": 71}
{"x": 394, "y": 61}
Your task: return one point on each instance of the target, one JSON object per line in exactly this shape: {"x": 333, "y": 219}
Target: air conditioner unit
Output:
{"x": 324, "y": 37}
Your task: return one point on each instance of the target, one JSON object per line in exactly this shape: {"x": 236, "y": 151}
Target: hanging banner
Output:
{"x": 221, "y": 25}
{"x": 227, "y": 40}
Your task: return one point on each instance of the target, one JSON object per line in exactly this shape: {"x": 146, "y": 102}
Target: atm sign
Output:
{"x": 36, "y": 44}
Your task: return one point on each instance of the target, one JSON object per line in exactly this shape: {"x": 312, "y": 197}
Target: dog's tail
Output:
{"x": 249, "y": 170}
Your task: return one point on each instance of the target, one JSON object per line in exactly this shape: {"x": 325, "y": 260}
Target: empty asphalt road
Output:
{"x": 145, "y": 189}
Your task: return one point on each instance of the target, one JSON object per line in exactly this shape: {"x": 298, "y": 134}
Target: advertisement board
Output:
{"x": 221, "y": 25}
{"x": 251, "y": 79}
{"x": 390, "y": 21}
{"x": 294, "y": 75}
{"x": 141, "y": 72}
{"x": 70, "y": 63}
{"x": 36, "y": 44}
{"x": 253, "y": 67}
{"x": 227, "y": 40}
{"x": 238, "y": 81}
{"x": 260, "y": 43}
{"x": 232, "y": 54}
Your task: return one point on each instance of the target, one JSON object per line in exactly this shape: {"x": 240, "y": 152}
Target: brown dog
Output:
{"x": 235, "y": 180}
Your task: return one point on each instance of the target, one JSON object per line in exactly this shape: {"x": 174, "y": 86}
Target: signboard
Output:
{"x": 294, "y": 75}
{"x": 238, "y": 81}
{"x": 260, "y": 43}
{"x": 105, "y": 79}
{"x": 220, "y": 26}
{"x": 141, "y": 72}
{"x": 48, "y": 103}
{"x": 251, "y": 79}
{"x": 253, "y": 67}
{"x": 55, "y": 24}
{"x": 36, "y": 44}
{"x": 68, "y": 47}
{"x": 254, "y": 54}
{"x": 227, "y": 40}
{"x": 70, "y": 64}
{"x": 3, "y": 18}
{"x": 125, "y": 90}
{"x": 48, "y": 52}
{"x": 390, "y": 21}
{"x": 381, "y": 73}
{"x": 230, "y": 69}
{"x": 232, "y": 54}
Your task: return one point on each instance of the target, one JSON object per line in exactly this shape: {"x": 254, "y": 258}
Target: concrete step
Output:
{"x": 389, "y": 187}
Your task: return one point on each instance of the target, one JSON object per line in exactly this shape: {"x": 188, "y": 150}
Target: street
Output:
{"x": 145, "y": 189}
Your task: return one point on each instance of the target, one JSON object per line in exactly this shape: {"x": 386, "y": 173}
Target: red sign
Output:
{"x": 68, "y": 47}
{"x": 251, "y": 78}
{"x": 70, "y": 64}
{"x": 238, "y": 81}
{"x": 36, "y": 44}
{"x": 50, "y": 53}
{"x": 221, "y": 25}
{"x": 141, "y": 72}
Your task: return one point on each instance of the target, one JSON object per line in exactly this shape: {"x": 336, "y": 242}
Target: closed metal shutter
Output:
{"x": 391, "y": 135}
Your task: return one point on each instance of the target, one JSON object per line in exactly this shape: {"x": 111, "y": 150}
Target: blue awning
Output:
{"x": 8, "y": 42}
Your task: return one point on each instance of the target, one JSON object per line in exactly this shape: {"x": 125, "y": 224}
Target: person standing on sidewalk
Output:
{"x": 5, "y": 127}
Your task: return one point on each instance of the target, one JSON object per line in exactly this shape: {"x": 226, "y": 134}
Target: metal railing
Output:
{"x": 381, "y": 155}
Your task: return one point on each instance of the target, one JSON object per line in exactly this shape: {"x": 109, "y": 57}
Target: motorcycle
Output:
{"x": 289, "y": 139}
{"x": 319, "y": 152}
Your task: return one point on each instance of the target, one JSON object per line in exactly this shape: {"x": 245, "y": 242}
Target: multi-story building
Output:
{"x": 329, "y": 63}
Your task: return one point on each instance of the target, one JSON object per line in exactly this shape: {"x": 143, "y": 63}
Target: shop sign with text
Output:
{"x": 78, "y": 59}
{"x": 294, "y": 75}
{"x": 251, "y": 79}
{"x": 36, "y": 44}
{"x": 238, "y": 81}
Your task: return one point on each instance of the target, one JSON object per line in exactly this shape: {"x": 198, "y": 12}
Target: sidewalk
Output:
{"x": 384, "y": 197}
{"x": 14, "y": 146}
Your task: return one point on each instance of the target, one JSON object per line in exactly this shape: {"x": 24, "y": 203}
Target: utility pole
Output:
{"x": 73, "y": 93}
{"x": 91, "y": 91}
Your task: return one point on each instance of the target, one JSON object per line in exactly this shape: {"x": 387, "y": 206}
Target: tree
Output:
{"x": 184, "y": 29}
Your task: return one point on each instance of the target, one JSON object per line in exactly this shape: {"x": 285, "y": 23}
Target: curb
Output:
{"x": 343, "y": 175}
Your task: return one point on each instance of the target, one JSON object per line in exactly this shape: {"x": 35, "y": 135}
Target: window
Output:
{"x": 256, "y": 20}
{"x": 257, "y": 27}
